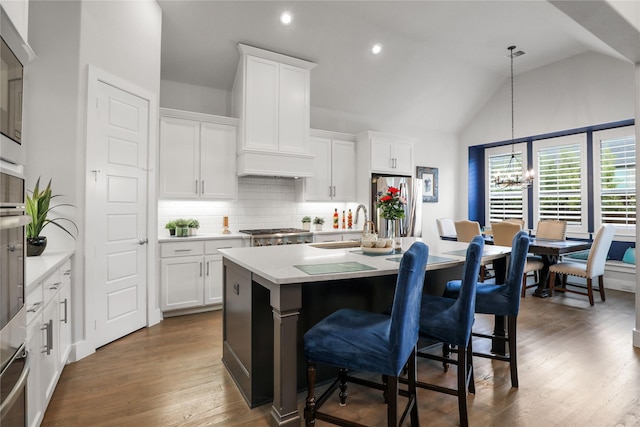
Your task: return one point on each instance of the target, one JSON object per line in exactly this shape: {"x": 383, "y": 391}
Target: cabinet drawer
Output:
{"x": 35, "y": 302}
{"x": 181, "y": 249}
{"x": 65, "y": 271}
{"x": 50, "y": 285}
{"x": 211, "y": 247}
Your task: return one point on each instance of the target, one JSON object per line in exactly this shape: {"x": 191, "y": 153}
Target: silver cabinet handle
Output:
{"x": 208, "y": 268}
{"x": 182, "y": 250}
{"x": 202, "y": 187}
{"x": 35, "y": 307}
{"x": 66, "y": 314}
{"x": 49, "y": 328}
{"x": 200, "y": 268}
{"x": 330, "y": 192}
{"x": 55, "y": 286}
{"x": 143, "y": 241}
{"x": 196, "y": 186}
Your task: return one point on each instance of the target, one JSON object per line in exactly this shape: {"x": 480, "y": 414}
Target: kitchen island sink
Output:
{"x": 337, "y": 245}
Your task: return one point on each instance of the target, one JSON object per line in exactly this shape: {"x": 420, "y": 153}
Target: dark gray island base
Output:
{"x": 264, "y": 320}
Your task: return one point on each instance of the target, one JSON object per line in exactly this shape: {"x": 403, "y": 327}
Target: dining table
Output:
{"x": 550, "y": 251}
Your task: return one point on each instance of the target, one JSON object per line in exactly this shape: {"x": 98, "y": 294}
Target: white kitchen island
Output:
{"x": 270, "y": 301}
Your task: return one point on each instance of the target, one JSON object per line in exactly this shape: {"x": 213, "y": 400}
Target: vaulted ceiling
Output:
{"x": 441, "y": 60}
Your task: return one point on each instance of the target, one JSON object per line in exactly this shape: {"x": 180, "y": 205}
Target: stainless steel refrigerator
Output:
{"x": 411, "y": 190}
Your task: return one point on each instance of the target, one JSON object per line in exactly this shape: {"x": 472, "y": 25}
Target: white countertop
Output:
{"x": 235, "y": 235}
{"x": 39, "y": 267}
{"x": 276, "y": 263}
{"x": 204, "y": 236}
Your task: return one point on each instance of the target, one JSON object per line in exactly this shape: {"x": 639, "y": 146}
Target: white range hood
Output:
{"x": 271, "y": 98}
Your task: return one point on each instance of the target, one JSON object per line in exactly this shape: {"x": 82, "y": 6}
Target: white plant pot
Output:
{"x": 318, "y": 227}
{"x": 306, "y": 226}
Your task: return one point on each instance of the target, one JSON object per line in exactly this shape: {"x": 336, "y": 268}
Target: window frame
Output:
{"x": 541, "y": 144}
{"x": 597, "y": 136}
{"x": 504, "y": 150}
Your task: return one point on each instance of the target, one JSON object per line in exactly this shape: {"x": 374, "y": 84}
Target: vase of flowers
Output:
{"x": 392, "y": 206}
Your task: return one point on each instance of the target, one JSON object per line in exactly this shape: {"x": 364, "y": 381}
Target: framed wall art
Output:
{"x": 429, "y": 177}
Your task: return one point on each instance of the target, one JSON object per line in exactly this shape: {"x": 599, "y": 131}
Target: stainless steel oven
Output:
{"x": 13, "y": 362}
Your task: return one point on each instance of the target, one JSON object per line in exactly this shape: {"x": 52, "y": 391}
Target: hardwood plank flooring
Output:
{"x": 577, "y": 367}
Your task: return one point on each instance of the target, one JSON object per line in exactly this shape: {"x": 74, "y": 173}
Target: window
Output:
{"x": 560, "y": 188}
{"x": 614, "y": 153}
{"x": 504, "y": 203}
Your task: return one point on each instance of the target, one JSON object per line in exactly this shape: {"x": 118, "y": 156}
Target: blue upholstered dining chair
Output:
{"x": 372, "y": 342}
{"x": 449, "y": 321}
{"x": 502, "y": 300}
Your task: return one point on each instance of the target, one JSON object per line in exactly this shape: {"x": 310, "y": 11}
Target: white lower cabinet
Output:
{"x": 191, "y": 273}
{"x": 48, "y": 338}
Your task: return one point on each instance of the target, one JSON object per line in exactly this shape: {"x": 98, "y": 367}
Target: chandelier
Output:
{"x": 513, "y": 176}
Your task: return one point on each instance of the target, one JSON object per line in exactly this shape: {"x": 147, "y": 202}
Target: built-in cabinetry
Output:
{"x": 334, "y": 169}
{"x": 197, "y": 156}
{"x": 48, "y": 336}
{"x": 15, "y": 14}
{"x": 389, "y": 154}
{"x": 381, "y": 153}
{"x": 191, "y": 273}
{"x": 271, "y": 98}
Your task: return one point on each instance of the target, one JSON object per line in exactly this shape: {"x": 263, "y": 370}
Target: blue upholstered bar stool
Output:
{"x": 372, "y": 342}
{"x": 449, "y": 321}
{"x": 501, "y": 300}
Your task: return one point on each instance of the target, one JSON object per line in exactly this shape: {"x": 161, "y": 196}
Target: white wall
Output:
{"x": 199, "y": 99}
{"x": 583, "y": 90}
{"x": 121, "y": 38}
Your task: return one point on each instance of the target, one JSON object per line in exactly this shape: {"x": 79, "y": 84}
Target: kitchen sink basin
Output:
{"x": 337, "y": 245}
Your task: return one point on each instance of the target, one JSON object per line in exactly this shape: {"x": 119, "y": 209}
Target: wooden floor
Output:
{"x": 577, "y": 368}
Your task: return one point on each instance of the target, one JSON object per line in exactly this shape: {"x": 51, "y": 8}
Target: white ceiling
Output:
{"x": 440, "y": 63}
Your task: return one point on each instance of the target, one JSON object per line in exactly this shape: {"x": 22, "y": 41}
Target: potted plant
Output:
{"x": 193, "y": 225}
{"x": 38, "y": 207}
{"x": 171, "y": 226}
{"x": 182, "y": 227}
{"x": 306, "y": 223}
{"x": 318, "y": 222}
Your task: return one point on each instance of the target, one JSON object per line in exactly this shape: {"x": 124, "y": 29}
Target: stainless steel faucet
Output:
{"x": 363, "y": 207}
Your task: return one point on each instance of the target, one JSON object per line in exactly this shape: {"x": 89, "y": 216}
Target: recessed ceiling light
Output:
{"x": 286, "y": 18}
{"x": 376, "y": 48}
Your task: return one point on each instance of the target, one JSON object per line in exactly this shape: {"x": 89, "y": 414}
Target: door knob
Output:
{"x": 143, "y": 241}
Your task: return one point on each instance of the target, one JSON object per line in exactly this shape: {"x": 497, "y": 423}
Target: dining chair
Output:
{"x": 372, "y": 342}
{"x": 446, "y": 227}
{"x": 449, "y": 321}
{"x": 592, "y": 269}
{"x": 501, "y": 300}
{"x": 503, "y": 232}
{"x": 466, "y": 230}
{"x": 547, "y": 229}
{"x": 516, "y": 221}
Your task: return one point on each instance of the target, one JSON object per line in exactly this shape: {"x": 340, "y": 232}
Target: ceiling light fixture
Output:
{"x": 376, "y": 48}
{"x": 286, "y": 18}
{"x": 513, "y": 175}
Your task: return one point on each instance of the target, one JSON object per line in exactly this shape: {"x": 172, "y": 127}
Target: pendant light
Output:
{"x": 514, "y": 177}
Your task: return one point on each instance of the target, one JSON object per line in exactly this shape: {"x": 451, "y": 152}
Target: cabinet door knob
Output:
{"x": 143, "y": 241}
{"x": 236, "y": 288}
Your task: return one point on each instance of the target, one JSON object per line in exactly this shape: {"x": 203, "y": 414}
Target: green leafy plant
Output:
{"x": 306, "y": 219}
{"x": 171, "y": 225}
{"x": 39, "y": 207}
{"x": 318, "y": 220}
{"x": 193, "y": 223}
{"x": 180, "y": 222}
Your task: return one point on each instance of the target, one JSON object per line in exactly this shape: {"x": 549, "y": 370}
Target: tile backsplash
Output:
{"x": 263, "y": 202}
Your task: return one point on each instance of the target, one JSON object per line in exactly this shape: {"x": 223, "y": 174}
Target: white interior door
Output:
{"x": 117, "y": 213}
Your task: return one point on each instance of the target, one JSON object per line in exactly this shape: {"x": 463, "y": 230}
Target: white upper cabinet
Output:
{"x": 197, "y": 156}
{"x": 334, "y": 169}
{"x": 271, "y": 99}
{"x": 18, "y": 13}
{"x": 389, "y": 154}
